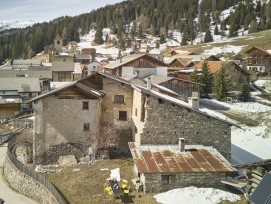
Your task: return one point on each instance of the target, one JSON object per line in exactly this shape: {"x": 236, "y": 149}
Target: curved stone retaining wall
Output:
{"x": 27, "y": 185}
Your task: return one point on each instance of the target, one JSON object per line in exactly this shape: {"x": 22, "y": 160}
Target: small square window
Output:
{"x": 119, "y": 99}
{"x": 85, "y": 105}
{"x": 167, "y": 179}
{"x": 123, "y": 115}
{"x": 86, "y": 127}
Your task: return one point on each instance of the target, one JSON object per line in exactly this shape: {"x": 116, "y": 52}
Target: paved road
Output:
{"x": 6, "y": 193}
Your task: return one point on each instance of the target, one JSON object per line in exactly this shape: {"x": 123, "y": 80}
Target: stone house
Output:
{"x": 84, "y": 106}
{"x": 65, "y": 119}
{"x": 165, "y": 167}
{"x": 259, "y": 59}
{"x": 160, "y": 120}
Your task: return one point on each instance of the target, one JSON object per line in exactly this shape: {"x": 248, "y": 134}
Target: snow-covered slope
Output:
{"x": 4, "y": 25}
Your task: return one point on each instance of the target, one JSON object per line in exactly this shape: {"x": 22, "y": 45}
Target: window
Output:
{"x": 123, "y": 115}
{"x": 135, "y": 111}
{"x": 167, "y": 179}
{"x": 86, "y": 127}
{"x": 119, "y": 99}
{"x": 85, "y": 105}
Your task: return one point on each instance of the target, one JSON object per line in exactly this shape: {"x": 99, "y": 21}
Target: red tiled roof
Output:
{"x": 167, "y": 158}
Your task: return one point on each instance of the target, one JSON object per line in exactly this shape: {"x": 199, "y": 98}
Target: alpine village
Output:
{"x": 142, "y": 101}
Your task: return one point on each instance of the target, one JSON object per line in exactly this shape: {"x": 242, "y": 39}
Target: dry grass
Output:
{"x": 86, "y": 186}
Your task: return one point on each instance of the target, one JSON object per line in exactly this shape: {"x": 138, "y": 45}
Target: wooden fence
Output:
{"x": 31, "y": 172}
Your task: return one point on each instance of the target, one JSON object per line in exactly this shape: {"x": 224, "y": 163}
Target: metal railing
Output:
{"x": 37, "y": 176}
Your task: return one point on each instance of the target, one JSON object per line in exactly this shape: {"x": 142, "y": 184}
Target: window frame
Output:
{"x": 123, "y": 115}
{"x": 86, "y": 127}
{"x": 167, "y": 179}
{"x": 85, "y": 105}
{"x": 119, "y": 99}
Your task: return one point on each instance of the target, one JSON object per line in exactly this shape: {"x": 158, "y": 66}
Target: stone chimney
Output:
{"x": 149, "y": 83}
{"x": 193, "y": 102}
{"x": 181, "y": 144}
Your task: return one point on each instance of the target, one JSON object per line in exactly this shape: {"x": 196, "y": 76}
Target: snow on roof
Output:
{"x": 194, "y": 195}
{"x": 269, "y": 51}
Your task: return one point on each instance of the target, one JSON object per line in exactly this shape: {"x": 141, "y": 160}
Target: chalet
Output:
{"x": 82, "y": 58}
{"x": 259, "y": 59}
{"x": 237, "y": 75}
{"x": 174, "y": 87}
{"x": 135, "y": 62}
{"x": 15, "y": 92}
{"x": 62, "y": 71}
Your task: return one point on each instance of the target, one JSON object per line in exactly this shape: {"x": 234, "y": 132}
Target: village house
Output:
{"x": 14, "y": 94}
{"x": 237, "y": 75}
{"x": 159, "y": 121}
{"x": 134, "y": 63}
{"x": 87, "y": 104}
{"x": 259, "y": 59}
{"x": 62, "y": 71}
{"x": 41, "y": 72}
{"x": 142, "y": 115}
{"x": 165, "y": 167}
{"x": 25, "y": 64}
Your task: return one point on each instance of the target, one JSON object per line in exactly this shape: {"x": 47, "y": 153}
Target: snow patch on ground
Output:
{"x": 194, "y": 195}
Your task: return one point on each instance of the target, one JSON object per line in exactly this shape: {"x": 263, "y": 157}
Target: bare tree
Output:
{"x": 106, "y": 140}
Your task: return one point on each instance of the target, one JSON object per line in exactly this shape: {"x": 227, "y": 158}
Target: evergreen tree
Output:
{"x": 162, "y": 39}
{"x": 208, "y": 36}
{"x": 222, "y": 85}
{"x": 194, "y": 76}
{"x": 99, "y": 36}
{"x": 206, "y": 79}
{"x": 184, "y": 38}
{"x": 246, "y": 95}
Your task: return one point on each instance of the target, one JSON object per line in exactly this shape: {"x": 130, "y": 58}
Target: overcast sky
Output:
{"x": 46, "y": 10}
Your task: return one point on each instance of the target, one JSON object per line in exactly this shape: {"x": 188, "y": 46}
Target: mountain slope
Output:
{"x": 5, "y": 25}
{"x": 136, "y": 18}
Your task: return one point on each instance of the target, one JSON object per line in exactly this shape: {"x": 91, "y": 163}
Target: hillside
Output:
{"x": 195, "y": 21}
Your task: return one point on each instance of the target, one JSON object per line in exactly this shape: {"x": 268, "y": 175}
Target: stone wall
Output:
{"x": 153, "y": 182}
{"x": 26, "y": 185}
{"x": 61, "y": 121}
{"x": 110, "y": 110}
{"x": 165, "y": 122}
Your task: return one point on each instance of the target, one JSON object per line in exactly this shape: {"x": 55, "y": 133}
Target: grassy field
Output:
{"x": 86, "y": 186}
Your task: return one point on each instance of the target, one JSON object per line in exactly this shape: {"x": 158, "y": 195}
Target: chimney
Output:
{"x": 149, "y": 83}
{"x": 194, "y": 102}
{"x": 181, "y": 144}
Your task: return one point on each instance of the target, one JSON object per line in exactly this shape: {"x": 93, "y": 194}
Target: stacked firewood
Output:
{"x": 254, "y": 177}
